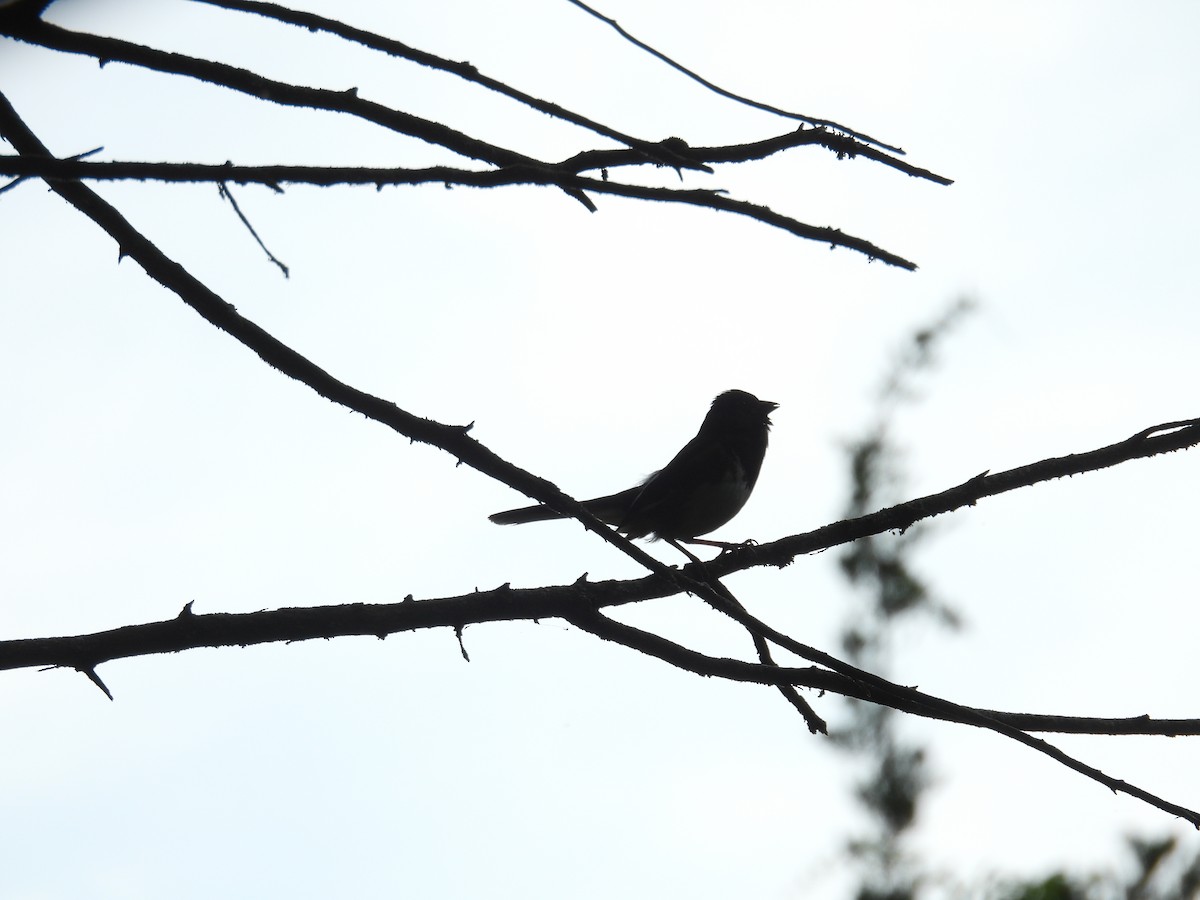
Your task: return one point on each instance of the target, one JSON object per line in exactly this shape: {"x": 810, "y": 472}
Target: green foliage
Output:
{"x": 1163, "y": 870}
{"x": 897, "y": 772}
{"x": 887, "y": 589}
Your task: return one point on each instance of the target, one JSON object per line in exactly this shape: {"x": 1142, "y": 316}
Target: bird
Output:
{"x": 703, "y": 487}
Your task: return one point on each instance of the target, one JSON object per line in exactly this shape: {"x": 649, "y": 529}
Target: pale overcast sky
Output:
{"x": 151, "y": 461}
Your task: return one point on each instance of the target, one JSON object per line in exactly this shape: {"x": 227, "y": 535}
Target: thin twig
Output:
{"x": 766, "y": 107}
{"x": 227, "y": 194}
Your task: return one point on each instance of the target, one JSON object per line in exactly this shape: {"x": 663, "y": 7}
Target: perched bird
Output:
{"x": 702, "y": 488}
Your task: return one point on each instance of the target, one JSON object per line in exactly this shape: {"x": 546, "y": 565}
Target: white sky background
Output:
{"x": 150, "y": 461}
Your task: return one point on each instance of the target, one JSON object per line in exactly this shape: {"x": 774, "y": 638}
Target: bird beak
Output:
{"x": 768, "y": 406}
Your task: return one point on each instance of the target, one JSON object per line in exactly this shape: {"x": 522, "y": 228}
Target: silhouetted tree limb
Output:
{"x": 575, "y": 603}
{"x": 579, "y": 604}
{"x": 515, "y": 167}
{"x": 273, "y": 176}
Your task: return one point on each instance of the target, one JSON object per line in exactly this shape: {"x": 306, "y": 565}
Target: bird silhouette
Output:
{"x": 704, "y": 486}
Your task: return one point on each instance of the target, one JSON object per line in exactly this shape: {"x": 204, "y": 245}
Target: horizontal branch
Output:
{"x": 50, "y": 168}
{"x": 844, "y": 147}
{"x": 191, "y": 631}
{"x": 579, "y": 604}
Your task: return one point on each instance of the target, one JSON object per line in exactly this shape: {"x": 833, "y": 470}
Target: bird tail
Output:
{"x": 525, "y": 514}
{"x": 610, "y": 509}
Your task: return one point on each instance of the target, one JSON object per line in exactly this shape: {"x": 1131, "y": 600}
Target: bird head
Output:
{"x": 742, "y": 407}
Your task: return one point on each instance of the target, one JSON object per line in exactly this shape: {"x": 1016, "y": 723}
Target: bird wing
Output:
{"x": 663, "y": 502}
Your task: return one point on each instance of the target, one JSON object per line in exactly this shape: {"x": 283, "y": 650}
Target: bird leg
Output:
{"x": 688, "y": 553}
{"x": 723, "y": 545}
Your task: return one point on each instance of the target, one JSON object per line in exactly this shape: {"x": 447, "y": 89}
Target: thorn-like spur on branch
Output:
{"x": 90, "y": 672}
{"x": 766, "y": 107}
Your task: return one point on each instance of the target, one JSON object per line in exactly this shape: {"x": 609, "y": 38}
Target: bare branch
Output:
{"x": 1159, "y": 439}
{"x": 579, "y": 604}
{"x": 816, "y": 725}
{"x": 580, "y": 162}
{"x": 50, "y": 168}
{"x": 190, "y": 630}
{"x": 845, "y": 147}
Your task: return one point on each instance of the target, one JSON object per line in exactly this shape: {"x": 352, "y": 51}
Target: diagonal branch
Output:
{"x": 594, "y": 622}
{"x": 766, "y": 107}
{"x": 816, "y": 725}
{"x": 108, "y": 49}
{"x": 1166, "y": 438}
